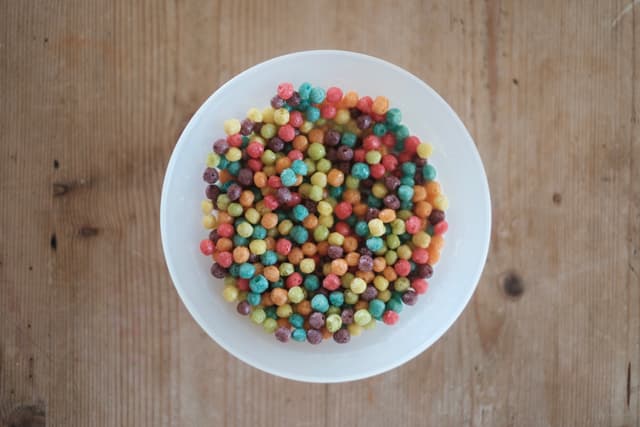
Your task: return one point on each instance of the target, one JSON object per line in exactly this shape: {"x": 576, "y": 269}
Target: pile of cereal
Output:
{"x": 324, "y": 213}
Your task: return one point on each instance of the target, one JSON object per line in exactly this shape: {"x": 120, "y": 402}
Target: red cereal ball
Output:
{"x": 295, "y": 155}
{"x": 331, "y": 282}
{"x": 296, "y": 119}
{"x": 334, "y": 94}
{"x": 377, "y": 117}
{"x": 234, "y": 140}
{"x": 285, "y": 90}
{"x": 255, "y": 150}
{"x": 377, "y": 171}
{"x": 440, "y": 228}
{"x": 270, "y": 202}
{"x": 412, "y": 225}
{"x": 390, "y": 162}
{"x": 225, "y": 259}
{"x": 411, "y": 144}
{"x": 343, "y": 210}
{"x": 364, "y": 104}
{"x": 402, "y": 267}
{"x": 390, "y": 317}
{"x": 295, "y": 279}
{"x": 225, "y": 230}
{"x": 283, "y": 246}
{"x": 242, "y": 284}
{"x": 295, "y": 200}
{"x": 419, "y": 285}
{"x": 328, "y": 111}
{"x": 404, "y": 157}
{"x": 389, "y": 140}
{"x": 359, "y": 155}
{"x": 274, "y": 181}
{"x": 207, "y": 247}
{"x": 286, "y": 133}
{"x": 343, "y": 228}
{"x": 371, "y": 142}
{"x": 420, "y": 256}
{"x": 254, "y": 164}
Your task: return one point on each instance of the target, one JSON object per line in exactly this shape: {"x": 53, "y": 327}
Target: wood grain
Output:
{"x": 92, "y": 98}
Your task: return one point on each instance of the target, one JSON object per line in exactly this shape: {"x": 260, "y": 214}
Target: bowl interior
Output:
{"x": 460, "y": 172}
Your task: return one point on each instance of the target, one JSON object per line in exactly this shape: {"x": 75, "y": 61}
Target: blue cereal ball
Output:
{"x": 299, "y": 167}
{"x": 405, "y": 192}
{"x": 296, "y": 320}
{"x": 361, "y": 228}
{"x": 374, "y": 244}
{"x": 259, "y": 284}
{"x": 360, "y": 170}
{"x": 259, "y": 232}
{"x": 299, "y": 213}
{"x": 395, "y": 304}
{"x": 299, "y": 234}
{"x": 320, "y": 303}
{"x": 234, "y": 270}
{"x": 238, "y": 240}
{"x": 408, "y": 169}
{"x": 336, "y": 298}
{"x": 269, "y": 258}
{"x": 348, "y": 139}
{"x": 253, "y": 298}
{"x": 376, "y": 308}
{"x": 311, "y": 283}
{"x": 246, "y": 271}
{"x": 408, "y": 180}
{"x": 288, "y": 177}
{"x": 304, "y": 91}
{"x": 299, "y": 334}
{"x": 312, "y": 114}
{"x": 317, "y": 95}
{"x": 336, "y": 192}
{"x": 429, "y": 173}
{"x": 394, "y": 117}
{"x": 271, "y": 312}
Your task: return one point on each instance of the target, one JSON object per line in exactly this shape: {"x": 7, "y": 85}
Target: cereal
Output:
{"x": 323, "y": 214}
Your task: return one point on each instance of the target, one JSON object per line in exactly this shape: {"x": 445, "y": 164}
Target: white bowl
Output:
{"x": 460, "y": 172}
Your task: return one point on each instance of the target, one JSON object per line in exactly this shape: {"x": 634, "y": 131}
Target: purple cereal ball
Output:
{"x": 316, "y": 320}
{"x": 344, "y": 153}
{"x": 424, "y": 270}
{"x": 233, "y": 192}
{"x": 245, "y": 177}
{"x": 342, "y": 336}
{"x": 221, "y": 146}
{"x": 344, "y": 167}
{"x": 257, "y": 127}
{"x": 294, "y": 100}
{"x": 365, "y": 251}
{"x": 218, "y": 271}
{"x": 210, "y": 175}
{"x": 355, "y": 113}
{"x": 369, "y": 294}
{"x": 212, "y": 192}
{"x": 420, "y": 162}
{"x": 213, "y": 236}
{"x": 365, "y": 263}
{"x": 311, "y": 206}
{"x": 410, "y": 298}
{"x": 419, "y": 179}
{"x": 331, "y": 155}
{"x": 314, "y": 336}
{"x": 436, "y": 216}
{"x": 246, "y": 127}
{"x": 283, "y": 195}
{"x": 363, "y": 122}
{"x": 391, "y": 201}
{"x": 347, "y": 316}
{"x": 275, "y": 144}
{"x": 371, "y": 214}
{"x": 391, "y": 182}
{"x": 332, "y": 138}
{"x": 244, "y": 308}
{"x": 283, "y": 334}
{"x": 277, "y": 102}
{"x": 323, "y": 291}
{"x": 367, "y": 183}
{"x": 335, "y": 252}
{"x": 252, "y": 258}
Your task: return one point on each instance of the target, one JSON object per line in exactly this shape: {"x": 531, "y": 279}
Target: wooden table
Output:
{"x": 93, "y": 95}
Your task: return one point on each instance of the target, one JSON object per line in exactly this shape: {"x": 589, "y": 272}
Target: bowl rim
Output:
{"x": 375, "y": 370}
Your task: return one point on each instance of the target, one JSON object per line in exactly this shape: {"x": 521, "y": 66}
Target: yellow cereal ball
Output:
{"x": 234, "y": 154}
{"x": 207, "y": 206}
{"x": 281, "y": 116}
{"x": 209, "y": 222}
{"x": 230, "y": 293}
{"x": 267, "y": 115}
{"x": 231, "y": 126}
{"x": 342, "y": 116}
{"x": 254, "y": 115}
{"x": 441, "y": 202}
{"x": 424, "y": 150}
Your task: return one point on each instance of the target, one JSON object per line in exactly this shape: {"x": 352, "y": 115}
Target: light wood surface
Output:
{"x": 93, "y": 95}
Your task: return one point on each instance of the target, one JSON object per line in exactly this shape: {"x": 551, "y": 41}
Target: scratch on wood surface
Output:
{"x": 628, "y": 384}
{"x": 624, "y": 11}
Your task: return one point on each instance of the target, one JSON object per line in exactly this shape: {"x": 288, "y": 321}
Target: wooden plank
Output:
{"x": 93, "y": 97}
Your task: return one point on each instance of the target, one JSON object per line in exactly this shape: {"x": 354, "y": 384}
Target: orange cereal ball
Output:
{"x": 380, "y": 105}
{"x": 339, "y": 266}
{"x": 352, "y": 258}
{"x": 271, "y": 273}
{"x": 269, "y": 220}
{"x": 279, "y": 296}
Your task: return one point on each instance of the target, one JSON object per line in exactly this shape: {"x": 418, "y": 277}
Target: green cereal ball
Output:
{"x": 393, "y": 242}
{"x": 316, "y": 193}
{"x": 398, "y": 227}
{"x": 268, "y": 131}
{"x": 401, "y": 284}
{"x": 352, "y": 183}
{"x": 323, "y": 165}
{"x": 324, "y": 208}
{"x": 268, "y": 157}
{"x": 391, "y": 257}
{"x": 311, "y": 166}
{"x": 252, "y": 215}
{"x": 245, "y": 229}
{"x": 316, "y": 151}
{"x": 235, "y": 210}
{"x": 319, "y": 179}
{"x": 350, "y": 297}
{"x": 362, "y": 317}
{"x": 270, "y": 325}
{"x": 296, "y": 294}
{"x": 320, "y": 233}
{"x": 333, "y": 310}
{"x": 223, "y": 202}
{"x": 404, "y": 252}
{"x": 381, "y": 283}
{"x": 333, "y": 322}
{"x": 285, "y": 226}
{"x": 284, "y": 310}
{"x": 373, "y": 157}
{"x": 258, "y": 316}
{"x": 229, "y": 281}
{"x": 286, "y": 269}
{"x": 404, "y": 214}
